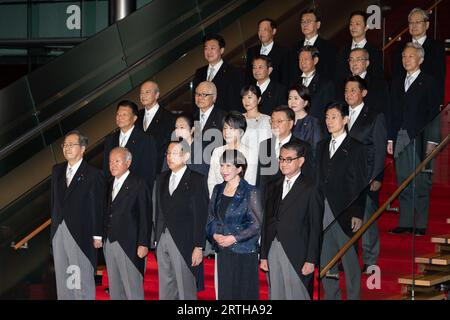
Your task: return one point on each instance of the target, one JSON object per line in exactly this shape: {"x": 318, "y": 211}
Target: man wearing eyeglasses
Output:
{"x": 290, "y": 240}
{"x": 77, "y": 207}
{"x": 434, "y": 61}
{"x": 358, "y": 28}
{"x": 282, "y": 122}
{"x": 310, "y": 22}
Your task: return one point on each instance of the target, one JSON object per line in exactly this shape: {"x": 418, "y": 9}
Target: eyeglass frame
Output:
{"x": 69, "y": 145}
{"x": 203, "y": 95}
{"x": 287, "y": 160}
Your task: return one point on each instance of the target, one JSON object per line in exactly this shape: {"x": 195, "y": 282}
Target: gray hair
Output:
{"x": 366, "y": 54}
{"x": 418, "y": 47}
{"x": 128, "y": 155}
{"x": 422, "y": 12}
{"x": 211, "y": 86}
{"x": 82, "y": 139}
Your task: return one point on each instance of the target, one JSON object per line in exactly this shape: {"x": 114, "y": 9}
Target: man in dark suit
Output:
{"x": 127, "y": 228}
{"x": 228, "y": 80}
{"x": 155, "y": 120}
{"x": 321, "y": 89}
{"x": 282, "y": 58}
{"x": 77, "y": 207}
{"x": 282, "y": 121}
{"x": 413, "y": 134}
{"x": 290, "y": 253}
{"x": 142, "y": 146}
{"x": 368, "y": 126}
{"x": 342, "y": 178}
{"x": 310, "y": 21}
{"x": 434, "y": 59}
{"x": 273, "y": 93}
{"x": 181, "y": 205}
{"x": 358, "y": 28}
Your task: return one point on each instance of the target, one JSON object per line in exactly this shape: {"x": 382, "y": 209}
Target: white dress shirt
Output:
{"x": 311, "y": 41}
{"x": 307, "y": 78}
{"x": 354, "y": 114}
{"x": 287, "y": 187}
{"x": 338, "y": 143}
{"x": 360, "y": 44}
{"x": 264, "y": 85}
{"x": 117, "y": 185}
{"x": 279, "y": 144}
{"x": 123, "y": 137}
{"x": 205, "y": 115}
{"x": 266, "y": 49}
{"x": 72, "y": 169}
{"x": 176, "y": 178}
{"x": 420, "y": 40}
{"x": 149, "y": 115}
{"x": 410, "y": 78}
{"x": 363, "y": 75}
{"x": 214, "y": 69}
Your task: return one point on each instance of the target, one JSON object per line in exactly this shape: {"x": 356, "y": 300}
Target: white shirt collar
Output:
{"x": 207, "y": 113}
{"x": 312, "y": 41}
{"x": 264, "y": 85}
{"x": 339, "y": 139}
{"x": 293, "y": 179}
{"x": 179, "y": 174}
{"x": 363, "y": 75}
{"x": 216, "y": 68}
{"x": 360, "y": 44}
{"x": 356, "y": 110}
{"x": 119, "y": 182}
{"x": 414, "y": 75}
{"x": 74, "y": 167}
{"x": 267, "y": 48}
{"x": 153, "y": 110}
{"x": 284, "y": 141}
{"x": 421, "y": 40}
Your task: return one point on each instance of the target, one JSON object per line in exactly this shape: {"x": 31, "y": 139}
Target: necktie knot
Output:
{"x": 307, "y": 43}
{"x": 332, "y": 147}
{"x": 69, "y": 175}
{"x": 211, "y": 73}
{"x": 172, "y": 184}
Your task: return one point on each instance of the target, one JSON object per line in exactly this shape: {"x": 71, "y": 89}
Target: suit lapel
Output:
{"x": 183, "y": 185}
{"x": 356, "y": 128}
{"x": 77, "y": 178}
{"x": 123, "y": 190}
{"x": 131, "y": 143}
{"x": 220, "y": 73}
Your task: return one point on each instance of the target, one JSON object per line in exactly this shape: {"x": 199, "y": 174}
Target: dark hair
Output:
{"x": 300, "y": 149}
{"x": 359, "y": 13}
{"x": 273, "y": 24}
{"x": 342, "y": 107}
{"x": 315, "y": 12}
{"x": 364, "y": 51}
{"x": 253, "y": 89}
{"x": 362, "y": 84}
{"x": 290, "y": 114}
{"x": 129, "y": 104}
{"x": 265, "y": 58}
{"x": 186, "y": 116}
{"x": 315, "y": 53}
{"x": 185, "y": 147}
{"x": 82, "y": 139}
{"x": 235, "y": 158}
{"x": 303, "y": 92}
{"x": 236, "y": 120}
{"x": 214, "y": 36}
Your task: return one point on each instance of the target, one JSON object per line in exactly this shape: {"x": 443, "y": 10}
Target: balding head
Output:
{"x": 149, "y": 94}
{"x": 205, "y": 95}
{"x": 119, "y": 161}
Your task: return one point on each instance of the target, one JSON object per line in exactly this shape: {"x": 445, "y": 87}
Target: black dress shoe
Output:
{"x": 419, "y": 232}
{"x": 399, "y": 230}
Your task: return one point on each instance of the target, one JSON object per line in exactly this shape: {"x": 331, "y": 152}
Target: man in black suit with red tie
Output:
{"x": 228, "y": 79}
{"x": 310, "y": 21}
{"x": 281, "y": 57}
{"x": 434, "y": 63}
{"x": 128, "y": 225}
{"x": 155, "y": 120}
{"x": 142, "y": 146}
{"x": 77, "y": 208}
{"x": 292, "y": 228}
{"x": 358, "y": 28}
{"x": 413, "y": 133}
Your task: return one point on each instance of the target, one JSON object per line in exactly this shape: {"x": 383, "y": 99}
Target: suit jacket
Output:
{"x": 274, "y": 96}
{"x": 81, "y": 205}
{"x": 342, "y": 179}
{"x": 375, "y": 67}
{"x": 229, "y": 82}
{"x": 282, "y": 63}
{"x": 327, "y": 56}
{"x": 143, "y": 148}
{"x": 296, "y": 221}
{"x": 184, "y": 212}
{"x": 434, "y": 64}
{"x": 414, "y": 110}
{"x": 370, "y": 129}
{"x": 160, "y": 129}
{"x": 129, "y": 217}
{"x": 322, "y": 92}
{"x": 268, "y": 167}
{"x": 309, "y": 130}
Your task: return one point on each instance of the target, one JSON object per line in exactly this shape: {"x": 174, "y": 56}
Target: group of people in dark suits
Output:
{"x": 286, "y": 204}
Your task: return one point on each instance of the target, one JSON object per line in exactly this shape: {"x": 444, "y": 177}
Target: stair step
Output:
{"x": 434, "y": 258}
{"x": 444, "y": 239}
{"x": 425, "y": 280}
{"x": 422, "y": 296}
